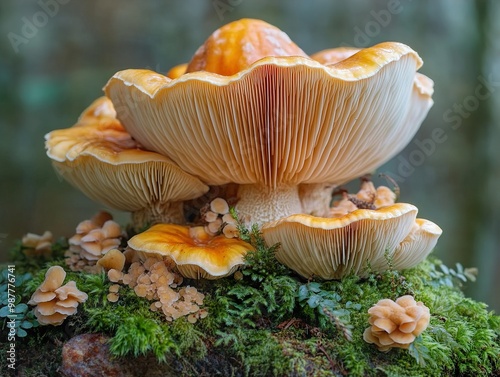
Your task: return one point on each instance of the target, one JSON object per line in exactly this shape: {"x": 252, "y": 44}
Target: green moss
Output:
{"x": 270, "y": 322}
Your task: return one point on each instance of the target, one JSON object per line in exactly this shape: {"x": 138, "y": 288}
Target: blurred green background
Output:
{"x": 56, "y": 55}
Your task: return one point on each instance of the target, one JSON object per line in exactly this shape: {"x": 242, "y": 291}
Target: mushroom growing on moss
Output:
{"x": 331, "y": 248}
{"x": 113, "y": 259}
{"x": 102, "y": 160}
{"x": 196, "y": 253}
{"x": 396, "y": 324}
{"x": 53, "y": 301}
{"x": 35, "y": 245}
{"x": 253, "y": 109}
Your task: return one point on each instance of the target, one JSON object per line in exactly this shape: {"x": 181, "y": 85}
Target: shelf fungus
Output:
{"x": 358, "y": 242}
{"x": 196, "y": 253}
{"x": 101, "y": 159}
{"x": 53, "y": 301}
{"x": 396, "y": 324}
{"x": 253, "y": 109}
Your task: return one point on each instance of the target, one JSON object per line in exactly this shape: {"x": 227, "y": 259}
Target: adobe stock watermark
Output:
{"x": 453, "y": 116}
{"x": 30, "y": 26}
{"x": 378, "y": 21}
{"x": 223, "y": 6}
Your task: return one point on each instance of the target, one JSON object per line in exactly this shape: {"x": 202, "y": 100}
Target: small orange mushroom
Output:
{"x": 37, "y": 245}
{"x": 177, "y": 71}
{"x": 113, "y": 259}
{"x": 196, "y": 253}
{"x": 53, "y": 301}
{"x": 396, "y": 324}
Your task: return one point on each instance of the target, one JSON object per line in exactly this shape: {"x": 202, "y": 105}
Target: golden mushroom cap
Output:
{"x": 283, "y": 120}
{"x": 177, "y": 71}
{"x": 331, "y": 248}
{"x": 195, "y": 252}
{"x": 235, "y": 46}
{"x": 101, "y": 159}
{"x": 54, "y": 277}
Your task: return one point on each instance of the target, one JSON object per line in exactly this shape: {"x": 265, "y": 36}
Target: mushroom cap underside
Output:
{"x": 101, "y": 159}
{"x": 283, "y": 120}
{"x": 359, "y": 242}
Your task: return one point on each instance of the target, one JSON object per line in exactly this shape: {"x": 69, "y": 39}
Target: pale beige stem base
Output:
{"x": 260, "y": 204}
{"x": 167, "y": 213}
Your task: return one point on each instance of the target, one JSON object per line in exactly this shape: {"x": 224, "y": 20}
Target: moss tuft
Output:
{"x": 270, "y": 322}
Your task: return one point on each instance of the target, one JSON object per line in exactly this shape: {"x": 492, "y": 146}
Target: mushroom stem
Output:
{"x": 169, "y": 213}
{"x": 259, "y": 204}
{"x": 316, "y": 198}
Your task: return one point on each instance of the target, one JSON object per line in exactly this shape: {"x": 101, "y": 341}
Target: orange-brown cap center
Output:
{"x": 238, "y": 44}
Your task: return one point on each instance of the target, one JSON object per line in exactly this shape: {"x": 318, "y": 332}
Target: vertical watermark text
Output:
{"x": 11, "y": 317}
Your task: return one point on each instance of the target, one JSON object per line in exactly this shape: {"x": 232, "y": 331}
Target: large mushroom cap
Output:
{"x": 254, "y": 110}
{"x": 275, "y": 121}
{"x": 331, "y": 248}
{"x": 282, "y": 120}
{"x": 196, "y": 253}
{"x": 101, "y": 159}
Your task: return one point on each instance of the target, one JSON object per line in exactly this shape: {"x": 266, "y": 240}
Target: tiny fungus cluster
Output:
{"x": 396, "y": 324}
{"x": 252, "y": 110}
{"x": 93, "y": 239}
{"x": 37, "y": 245}
{"x": 155, "y": 280}
{"x": 54, "y": 301}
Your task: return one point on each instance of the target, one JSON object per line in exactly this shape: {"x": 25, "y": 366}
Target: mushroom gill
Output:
{"x": 267, "y": 117}
{"x": 356, "y": 243}
{"x": 102, "y": 160}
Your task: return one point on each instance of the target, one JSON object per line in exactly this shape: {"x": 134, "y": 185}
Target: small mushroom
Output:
{"x": 177, "y": 71}
{"x": 53, "y": 301}
{"x": 101, "y": 159}
{"x": 54, "y": 277}
{"x": 331, "y": 248}
{"x": 396, "y": 324}
{"x": 113, "y": 259}
{"x": 37, "y": 245}
{"x": 196, "y": 253}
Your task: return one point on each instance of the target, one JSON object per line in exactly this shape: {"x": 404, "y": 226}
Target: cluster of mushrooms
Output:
{"x": 254, "y": 114}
